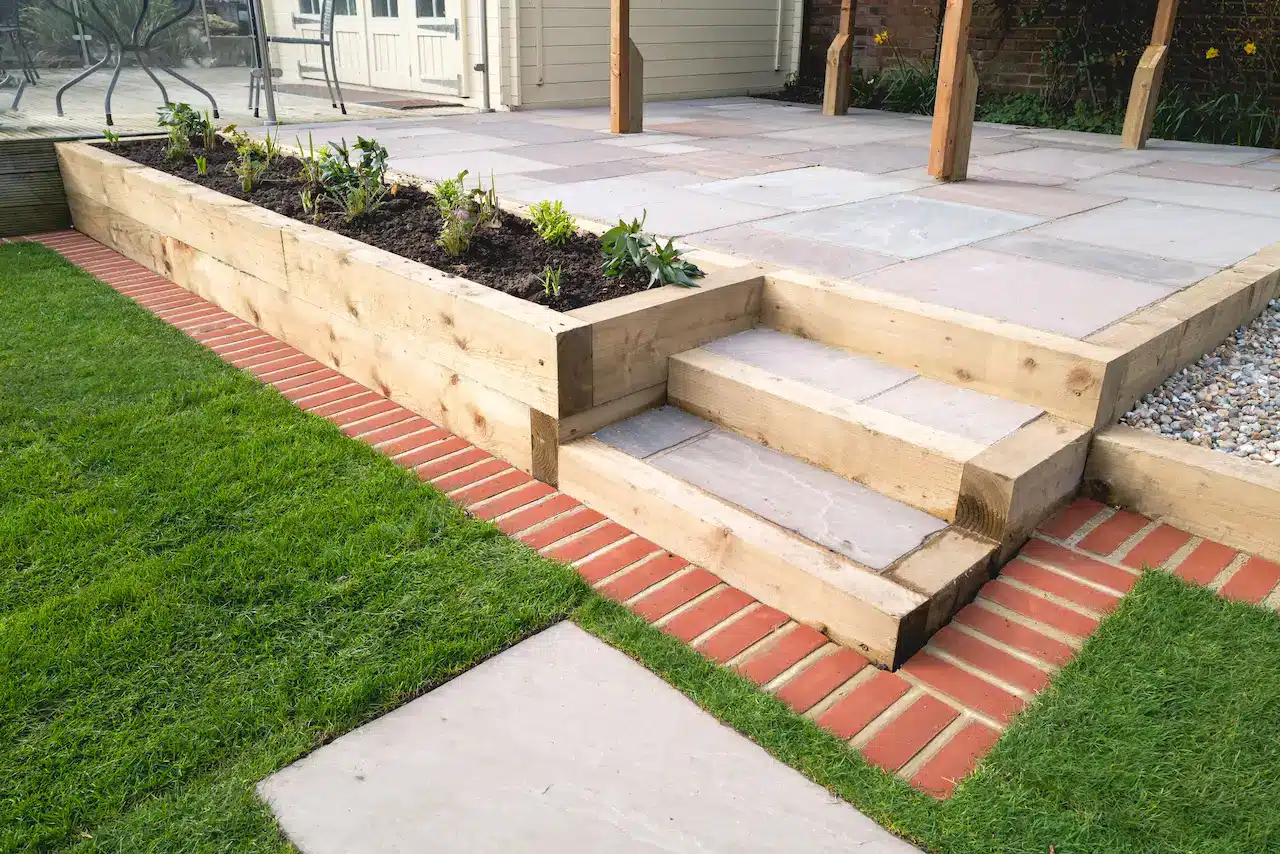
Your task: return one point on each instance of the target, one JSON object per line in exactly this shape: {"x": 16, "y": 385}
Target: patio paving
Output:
{"x": 619, "y": 761}
{"x": 1105, "y": 231}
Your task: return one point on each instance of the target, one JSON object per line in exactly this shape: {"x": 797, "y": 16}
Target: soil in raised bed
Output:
{"x": 510, "y": 258}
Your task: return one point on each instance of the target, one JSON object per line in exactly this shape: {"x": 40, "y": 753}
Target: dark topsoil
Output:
{"x": 510, "y": 258}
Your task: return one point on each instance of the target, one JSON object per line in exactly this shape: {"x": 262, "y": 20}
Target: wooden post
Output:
{"x": 968, "y": 107}
{"x": 835, "y": 92}
{"x": 951, "y": 125}
{"x": 1145, "y": 92}
{"x": 636, "y": 92}
{"x": 620, "y": 66}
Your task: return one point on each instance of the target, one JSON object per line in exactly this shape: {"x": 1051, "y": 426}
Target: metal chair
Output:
{"x": 328, "y": 59}
{"x": 11, "y": 28}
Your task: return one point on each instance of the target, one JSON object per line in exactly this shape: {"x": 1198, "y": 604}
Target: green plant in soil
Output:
{"x": 310, "y": 169}
{"x": 550, "y": 280}
{"x": 187, "y": 125}
{"x": 359, "y": 188}
{"x": 202, "y": 164}
{"x": 552, "y": 222}
{"x": 464, "y": 212}
{"x": 627, "y": 247}
{"x": 112, "y": 138}
{"x": 253, "y": 158}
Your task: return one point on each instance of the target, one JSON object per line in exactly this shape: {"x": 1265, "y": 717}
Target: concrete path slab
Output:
{"x": 1101, "y": 259}
{"x": 984, "y": 418}
{"x": 902, "y": 226}
{"x": 1031, "y": 293}
{"x": 807, "y": 189}
{"x": 1064, "y": 162}
{"x": 1178, "y": 232}
{"x": 790, "y": 251}
{"x": 841, "y": 515}
{"x": 1189, "y": 193}
{"x": 559, "y": 744}
{"x": 831, "y": 369}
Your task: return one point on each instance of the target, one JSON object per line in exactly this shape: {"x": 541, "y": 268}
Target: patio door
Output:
{"x": 348, "y": 39}
{"x": 414, "y": 46}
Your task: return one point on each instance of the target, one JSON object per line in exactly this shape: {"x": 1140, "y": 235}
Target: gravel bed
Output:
{"x": 1228, "y": 401}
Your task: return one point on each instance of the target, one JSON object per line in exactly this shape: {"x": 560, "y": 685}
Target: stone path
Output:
{"x": 1062, "y": 232}
{"x": 929, "y": 723}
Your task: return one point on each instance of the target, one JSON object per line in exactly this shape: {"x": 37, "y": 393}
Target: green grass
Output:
{"x": 199, "y": 584}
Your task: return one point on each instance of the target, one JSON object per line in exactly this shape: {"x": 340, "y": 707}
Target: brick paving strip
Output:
{"x": 929, "y": 723}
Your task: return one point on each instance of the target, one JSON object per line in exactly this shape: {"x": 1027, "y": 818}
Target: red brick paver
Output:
{"x": 1011, "y": 639}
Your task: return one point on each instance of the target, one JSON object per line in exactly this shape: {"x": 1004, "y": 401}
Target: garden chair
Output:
{"x": 11, "y": 29}
{"x": 328, "y": 59}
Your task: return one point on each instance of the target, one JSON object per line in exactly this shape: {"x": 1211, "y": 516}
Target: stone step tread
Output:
{"x": 865, "y": 526}
{"x": 980, "y": 418}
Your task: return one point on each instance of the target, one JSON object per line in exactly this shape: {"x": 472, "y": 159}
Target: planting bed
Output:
{"x": 510, "y": 258}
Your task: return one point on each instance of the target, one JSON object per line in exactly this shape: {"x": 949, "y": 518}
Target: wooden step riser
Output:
{"x": 906, "y": 461}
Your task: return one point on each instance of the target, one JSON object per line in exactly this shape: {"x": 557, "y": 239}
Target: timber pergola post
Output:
{"x": 835, "y": 91}
{"x": 626, "y": 72}
{"x": 957, "y": 97}
{"x": 1145, "y": 93}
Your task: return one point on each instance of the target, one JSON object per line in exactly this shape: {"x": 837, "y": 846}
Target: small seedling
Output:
{"x": 253, "y": 158}
{"x": 552, "y": 222}
{"x": 550, "y": 280}
{"x": 628, "y": 247}
{"x": 202, "y": 164}
{"x": 311, "y": 173}
{"x": 113, "y": 138}
{"x": 449, "y": 193}
{"x": 463, "y": 212}
{"x": 179, "y": 144}
{"x": 458, "y": 229}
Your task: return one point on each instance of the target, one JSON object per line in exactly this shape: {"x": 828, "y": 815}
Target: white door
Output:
{"x": 390, "y": 44}
{"x": 414, "y": 45}
{"x": 438, "y": 39}
{"x": 302, "y": 18}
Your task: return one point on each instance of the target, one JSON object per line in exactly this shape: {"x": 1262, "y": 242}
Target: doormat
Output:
{"x": 367, "y": 99}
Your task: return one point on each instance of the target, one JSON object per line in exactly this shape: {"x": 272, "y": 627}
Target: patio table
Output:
{"x": 122, "y": 39}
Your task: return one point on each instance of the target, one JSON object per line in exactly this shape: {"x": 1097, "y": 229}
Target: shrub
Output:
{"x": 358, "y": 188}
{"x": 552, "y": 222}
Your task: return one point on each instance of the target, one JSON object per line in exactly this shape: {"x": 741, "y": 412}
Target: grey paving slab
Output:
{"x": 904, "y": 226}
{"x": 873, "y": 157}
{"x": 1226, "y": 176}
{"x": 653, "y": 430}
{"x": 1177, "y": 232}
{"x": 864, "y": 526}
{"x": 475, "y": 162}
{"x": 853, "y": 133}
{"x": 807, "y": 189}
{"x": 1198, "y": 152}
{"x": 790, "y": 251}
{"x": 559, "y": 744}
{"x": 981, "y": 417}
{"x": 578, "y": 153}
{"x": 1049, "y": 136}
{"x": 590, "y": 171}
{"x": 448, "y": 142}
{"x": 1101, "y": 259}
{"x": 1189, "y": 193}
{"x": 649, "y": 137}
{"x": 762, "y": 145}
{"x": 536, "y": 133}
{"x": 1039, "y": 294}
{"x": 1064, "y": 162}
{"x": 724, "y": 164}
{"x": 987, "y": 192}
{"x": 1269, "y": 163}
{"x": 829, "y": 368}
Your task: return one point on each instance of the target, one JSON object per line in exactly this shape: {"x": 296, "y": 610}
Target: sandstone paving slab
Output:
{"x": 447, "y": 142}
{"x": 648, "y": 137}
{"x": 852, "y": 133}
{"x": 475, "y": 162}
{"x": 831, "y": 369}
{"x": 1177, "y": 232}
{"x": 590, "y": 171}
{"x": 807, "y": 189}
{"x": 560, "y": 743}
{"x": 724, "y": 164}
{"x": 653, "y": 430}
{"x": 762, "y": 145}
{"x": 903, "y": 226}
{"x": 790, "y": 251}
{"x": 1038, "y": 294}
{"x": 872, "y": 157}
{"x": 983, "y": 418}
{"x": 578, "y": 153}
{"x": 536, "y": 133}
{"x": 846, "y": 517}
{"x": 1226, "y": 176}
{"x": 1064, "y": 162}
{"x": 1188, "y": 193}
{"x": 1052, "y": 202}
{"x": 1102, "y": 259}
{"x": 1199, "y": 152}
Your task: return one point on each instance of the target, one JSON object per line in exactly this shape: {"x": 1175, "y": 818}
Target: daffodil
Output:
{"x": 1211, "y": 53}
{"x": 1250, "y": 48}
{"x": 882, "y": 37}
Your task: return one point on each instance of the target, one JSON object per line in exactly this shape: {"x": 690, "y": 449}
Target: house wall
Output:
{"x": 691, "y": 48}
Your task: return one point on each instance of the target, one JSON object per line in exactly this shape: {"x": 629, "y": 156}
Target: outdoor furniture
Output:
{"x": 11, "y": 29}
{"x": 328, "y": 58}
{"x": 119, "y": 42}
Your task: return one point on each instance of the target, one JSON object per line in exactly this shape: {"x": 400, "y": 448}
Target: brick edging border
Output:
{"x": 929, "y": 723}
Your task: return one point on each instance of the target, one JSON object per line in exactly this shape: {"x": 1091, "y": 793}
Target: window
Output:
{"x": 344, "y": 7}
{"x": 430, "y": 8}
{"x": 386, "y": 8}
{"x": 309, "y": 7}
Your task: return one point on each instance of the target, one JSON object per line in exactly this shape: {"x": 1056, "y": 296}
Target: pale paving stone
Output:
{"x": 652, "y": 431}
{"x": 1131, "y": 265}
{"x": 1198, "y": 235}
{"x": 981, "y": 417}
{"x": 1188, "y": 193}
{"x": 1063, "y": 162}
{"x": 559, "y": 744}
{"x": 1226, "y": 176}
{"x": 903, "y": 226}
{"x": 670, "y": 148}
{"x": 848, "y": 133}
{"x": 1032, "y": 293}
{"x": 828, "y": 368}
{"x": 790, "y": 251}
{"x": 761, "y": 145}
{"x": 589, "y": 171}
{"x": 475, "y": 162}
{"x": 1199, "y": 152}
{"x": 986, "y": 192}
{"x": 535, "y": 133}
{"x": 872, "y": 157}
{"x": 649, "y": 137}
{"x": 449, "y": 142}
{"x": 807, "y": 189}
{"x": 723, "y": 164}
{"x": 578, "y": 153}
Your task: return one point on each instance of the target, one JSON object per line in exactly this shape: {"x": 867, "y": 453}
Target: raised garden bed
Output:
{"x": 511, "y": 376}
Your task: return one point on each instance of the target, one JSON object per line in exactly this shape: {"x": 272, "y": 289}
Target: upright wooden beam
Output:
{"x": 835, "y": 93}
{"x": 1145, "y": 92}
{"x": 620, "y": 66}
{"x": 952, "y": 123}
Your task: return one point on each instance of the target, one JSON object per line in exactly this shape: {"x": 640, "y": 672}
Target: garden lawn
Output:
{"x": 199, "y": 584}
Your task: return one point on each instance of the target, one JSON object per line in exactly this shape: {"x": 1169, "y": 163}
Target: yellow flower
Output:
{"x": 882, "y": 37}
{"x": 1211, "y": 53}
{"x": 1250, "y": 48}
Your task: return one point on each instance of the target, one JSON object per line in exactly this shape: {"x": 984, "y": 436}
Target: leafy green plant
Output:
{"x": 552, "y": 222}
{"x": 112, "y": 138}
{"x": 183, "y": 121}
{"x": 202, "y": 164}
{"x": 310, "y": 172}
{"x": 550, "y": 280}
{"x": 449, "y": 193}
{"x": 463, "y": 212}
{"x": 359, "y": 188}
{"x": 179, "y": 145}
{"x": 253, "y": 158}
{"x": 627, "y": 246}
{"x": 457, "y": 231}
